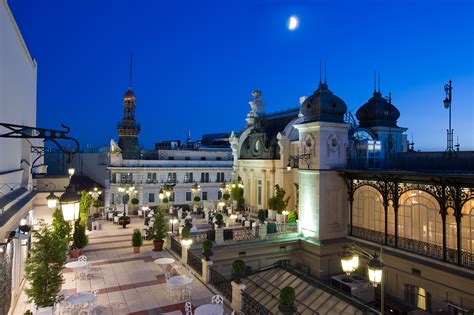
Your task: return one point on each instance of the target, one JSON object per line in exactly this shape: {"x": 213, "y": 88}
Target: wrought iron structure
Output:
{"x": 222, "y": 284}
{"x": 195, "y": 262}
{"x": 450, "y": 191}
{"x": 294, "y": 159}
{"x": 252, "y": 306}
{"x": 27, "y": 132}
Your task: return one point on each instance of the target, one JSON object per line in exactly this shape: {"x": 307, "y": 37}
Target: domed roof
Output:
{"x": 323, "y": 105}
{"x": 129, "y": 95}
{"x": 378, "y": 111}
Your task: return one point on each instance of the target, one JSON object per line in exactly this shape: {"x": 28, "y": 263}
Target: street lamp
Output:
{"x": 52, "y": 200}
{"x": 69, "y": 201}
{"x": 350, "y": 262}
{"x": 448, "y": 89}
{"x": 161, "y": 194}
{"x": 285, "y": 213}
{"x": 71, "y": 171}
{"x": 95, "y": 193}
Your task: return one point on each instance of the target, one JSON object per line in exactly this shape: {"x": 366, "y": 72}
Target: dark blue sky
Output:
{"x": 196, "y": 62}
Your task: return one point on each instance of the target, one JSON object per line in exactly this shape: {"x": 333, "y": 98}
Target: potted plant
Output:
{"x": 165, "y": 200}
{"x": 287, "y": 301}
{"x": 124, "y": 221}
{"x": 160, "y": 227}
{"x": 43, "y": 269}
{"x": 79, "y": 240}
{"x": 137, "y": 240}
{"x": 271, "y": 207}
{"x": 186, "y": 233}
{"x": 238, "y": 270}
{"x": 28, "y": 312}
{"x": 197, "y": 199}
{"x": 207, "y": 249}
{"x": 261, "y": 215}
{"x": 219, "y": 220}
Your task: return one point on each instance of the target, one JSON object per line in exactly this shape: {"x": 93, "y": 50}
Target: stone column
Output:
{"x": 219, "y": 236}
{"x": 167, "y": 243}
{"x": 237, "y": 289}
{"x": 184, "y": 254}
{"x": 206, "y": 270}
{"x": 262, "y": 231}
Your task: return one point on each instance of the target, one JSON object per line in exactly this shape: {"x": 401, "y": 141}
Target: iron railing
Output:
{"x": 176, "y": 246}
{"x": 221, "y": 283}
{"x": 195, "y": 262}
{"x": 250, "y": 306}
{"x": 415, "y": 246}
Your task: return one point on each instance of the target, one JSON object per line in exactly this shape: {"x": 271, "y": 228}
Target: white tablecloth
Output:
{"x": 164, "y": 261}
{"x": 81, "y": 298}
{"x": 76, "y": 265}
{"x": 180, "y": 280}
{"x": 209, "y": 309}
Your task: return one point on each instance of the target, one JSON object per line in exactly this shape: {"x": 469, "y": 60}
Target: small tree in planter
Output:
{"x": 261, "y": 215}
{"x": 137, "y": 240}
{"x": 43, "y": 268}
{"x": 124, "y": 221}
{"x": 238, "y": 270}
{"x": 84, "y": 207}
{"x": 287, "y": 301}
{"x": 197, "y": 199}
{"x": 79, "y": 240}
{"x": 61, "y": 228}
{"x": 219, "y": 220}
{"x": 160, "y": 227}
{"x": 207, "y": 249}
{"x": 165, "y": 200}
{"x": 186, "y": 233}
{"x": 292, "y": 217}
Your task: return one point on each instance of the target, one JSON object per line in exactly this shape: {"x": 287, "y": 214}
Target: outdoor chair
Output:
{"x": 67, "y": 308}
{"x": 217, "y": 299}
{"x": 116, "y": 220}
{"x": 188, "y": 308}
{"x": 87, "y": 308}
{"x": 82, "y": 258}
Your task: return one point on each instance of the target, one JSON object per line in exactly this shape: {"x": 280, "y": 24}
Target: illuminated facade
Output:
{"x": 360, "y": 182}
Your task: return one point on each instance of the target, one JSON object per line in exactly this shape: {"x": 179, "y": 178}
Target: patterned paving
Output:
{"x": 127, "y": 282}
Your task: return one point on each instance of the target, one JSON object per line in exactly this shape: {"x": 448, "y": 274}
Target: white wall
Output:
{"x": 17, "y": 93}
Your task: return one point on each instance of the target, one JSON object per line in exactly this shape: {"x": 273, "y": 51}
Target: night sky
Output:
{"x": 197, "y": 62}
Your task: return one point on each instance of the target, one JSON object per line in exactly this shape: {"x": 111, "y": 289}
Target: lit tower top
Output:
{"x": 128, "y": 129}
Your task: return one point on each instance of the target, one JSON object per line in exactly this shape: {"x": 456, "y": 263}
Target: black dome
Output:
{"x": 323, "y": 105}
{"x": 129, "y": 95}
{"x": 377, "y": 112}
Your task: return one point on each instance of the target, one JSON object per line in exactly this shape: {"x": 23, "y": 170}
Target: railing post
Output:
{"x": 219, "y": 236}
{"x": 167, "y": 243}
{"x": 262, "y": 231}
{"x": 184, "y": 254}
{"x": 206, "y": 270}
{"x": 237, "y": 289}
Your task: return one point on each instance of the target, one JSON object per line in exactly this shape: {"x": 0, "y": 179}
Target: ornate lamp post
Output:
{"x": 52, "y": 200}
{"x": 196, "y": 189}
{"x": 350, "y": 262}
{"x": 173, "y": 221}
{"x": 69, "y": 201}
{"x": 95, "y": 193}
{"x": 448, "y": 89}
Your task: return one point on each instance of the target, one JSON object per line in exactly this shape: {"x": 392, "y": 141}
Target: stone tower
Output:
{"x": 128, "y": 129}
{"x": 324, "y": 136}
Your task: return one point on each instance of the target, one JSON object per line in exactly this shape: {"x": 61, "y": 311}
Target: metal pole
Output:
{"x": 382, "y": 293}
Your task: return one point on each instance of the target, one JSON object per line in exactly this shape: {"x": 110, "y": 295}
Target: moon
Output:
{"x": 293, "y": 23}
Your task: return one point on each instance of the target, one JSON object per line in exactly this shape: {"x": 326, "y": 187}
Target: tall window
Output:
{"x": 220, "y": 177}
{"x": 259, "y": 192}
{"x": 219, "y": 195}
{"x": 368, "y": 211}
{"x": 467, "y": 226}
{"x": 419, "y": 218}
{"x": 204, "y": 177}
{"x": 112, "y": 198}
{"x": 188, "y": 196}
{"x": 418, "y": 297}
{"x": 204, "y": 195}
{"x": 151, "y": 178}
{"x": 188, "y": 178}
{"x": 172, "y": 177}
{"x": 151, "y": 197}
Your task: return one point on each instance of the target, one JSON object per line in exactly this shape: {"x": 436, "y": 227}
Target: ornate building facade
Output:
{"x": 358, "y": 181}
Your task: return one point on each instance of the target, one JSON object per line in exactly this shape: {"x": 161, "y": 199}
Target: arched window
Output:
{"x": 419, "y": 218}
{"x": 368, "y": 209}
{"x": 467, "y": 226}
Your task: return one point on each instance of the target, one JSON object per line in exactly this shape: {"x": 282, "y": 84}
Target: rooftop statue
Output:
{"x": 256, "y": 107}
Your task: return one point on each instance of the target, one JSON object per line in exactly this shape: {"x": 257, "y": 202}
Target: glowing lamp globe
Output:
{"x": 168, "y": 193}
{"x": 355, "y": 261}
{"x": 52, "y": 200}
{"x": 346, "y": 262}
{"x": 161, "y": 195}
{"x": 71, "y": 171}
{"x": 375, "y": 267}
{"x": 69, "y": 201}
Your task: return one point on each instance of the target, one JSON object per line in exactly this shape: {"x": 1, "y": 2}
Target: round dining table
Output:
{"x": 81, "y": 298}
{"x": 209, "y": 309}
{"x": 180, "y": 281}
{"x": 164, "y": 262}
{"x": 76, "y": 266}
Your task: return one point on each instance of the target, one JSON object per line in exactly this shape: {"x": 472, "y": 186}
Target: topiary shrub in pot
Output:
{"x": 219, "y": 220}
{"x": 207, "y": 249}
{"x": 124, "y": 221}
{"x": 238, "y": 270}
{"x": 137, "y": 240}
{"x": 287, "y": 301}
{"x": 261, "y": 215}
{"x": 160, "y": 228}
{"x": 197, "y": 199}
{"x": 186, "y": 233}
{"x": 79, "y": 240}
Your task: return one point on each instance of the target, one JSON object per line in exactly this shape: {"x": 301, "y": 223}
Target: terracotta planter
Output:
{"x": 74, "y": 253}
{"x": 287, "y": 309}
{"x": 158, "y": 245}
{"x": 136, "y": 249}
